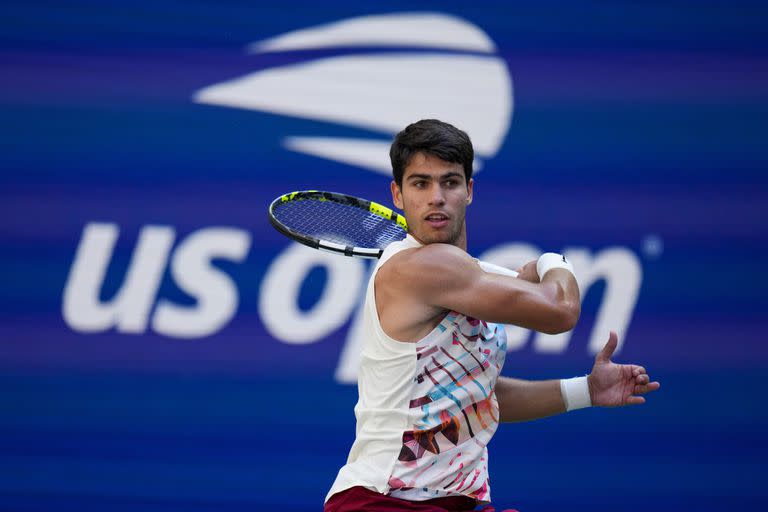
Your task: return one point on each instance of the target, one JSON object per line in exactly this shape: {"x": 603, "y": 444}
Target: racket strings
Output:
{"x": 338, "y": 223}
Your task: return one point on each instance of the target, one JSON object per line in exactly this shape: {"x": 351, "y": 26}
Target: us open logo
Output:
{"x": 433, "y": 66}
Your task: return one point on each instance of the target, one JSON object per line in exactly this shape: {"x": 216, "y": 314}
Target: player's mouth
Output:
{"x": 437, "y": 220}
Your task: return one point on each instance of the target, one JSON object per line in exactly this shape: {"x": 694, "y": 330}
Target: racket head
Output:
{"x": 338, "y": 223}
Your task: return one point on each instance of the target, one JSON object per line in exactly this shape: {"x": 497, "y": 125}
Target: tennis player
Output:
{"x": 430, "y": 393}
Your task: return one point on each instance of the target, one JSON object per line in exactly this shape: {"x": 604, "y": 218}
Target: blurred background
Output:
{"x": 163, "y": 348}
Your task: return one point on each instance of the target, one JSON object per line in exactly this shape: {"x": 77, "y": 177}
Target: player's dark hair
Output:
{"x": 431, "y": 137}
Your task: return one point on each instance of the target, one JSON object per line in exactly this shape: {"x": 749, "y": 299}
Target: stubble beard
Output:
{"x": 451, "y": 237}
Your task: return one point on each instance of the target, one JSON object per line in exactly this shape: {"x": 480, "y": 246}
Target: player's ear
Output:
{"x": 397, "y": 195}
{"x": 470, "y": 186}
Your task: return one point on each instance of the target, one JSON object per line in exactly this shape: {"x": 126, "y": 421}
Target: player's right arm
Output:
{"x": 444, "y": 276}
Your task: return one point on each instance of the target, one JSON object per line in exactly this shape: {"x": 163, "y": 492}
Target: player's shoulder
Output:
{"x": 429, "y": 254}
{"x": 421, "y": 265}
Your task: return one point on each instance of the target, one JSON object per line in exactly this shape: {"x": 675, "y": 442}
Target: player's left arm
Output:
{"x": 610, "y": 385}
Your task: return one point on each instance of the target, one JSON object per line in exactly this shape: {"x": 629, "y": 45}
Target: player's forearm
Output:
{"x": 525, "y": 400}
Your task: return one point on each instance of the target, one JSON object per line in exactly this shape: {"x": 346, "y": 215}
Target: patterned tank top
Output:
{"x": 426, "y": 410}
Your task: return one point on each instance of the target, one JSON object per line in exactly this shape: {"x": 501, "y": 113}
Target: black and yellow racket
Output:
{"x": 337, "y": 222}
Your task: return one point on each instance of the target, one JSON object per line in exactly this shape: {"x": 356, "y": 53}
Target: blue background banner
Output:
{"x": 162, "y": 347}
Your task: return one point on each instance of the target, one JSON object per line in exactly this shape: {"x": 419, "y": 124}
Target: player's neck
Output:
{"x": 461, "y": 242}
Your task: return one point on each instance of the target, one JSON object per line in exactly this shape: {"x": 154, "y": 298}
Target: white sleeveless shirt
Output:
{"x": 426, "y": 410}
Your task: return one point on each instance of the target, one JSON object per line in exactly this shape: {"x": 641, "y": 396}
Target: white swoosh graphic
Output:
{"x": 367, "y": 153}
{"x": 419, "y": 30}
{"x": 383, "y": 92}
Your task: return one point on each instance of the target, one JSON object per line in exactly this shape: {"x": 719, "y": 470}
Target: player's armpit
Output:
{"x": 447, "y": 277}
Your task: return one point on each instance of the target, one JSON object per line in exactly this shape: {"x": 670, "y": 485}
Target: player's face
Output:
{"x": 434, "y": 197}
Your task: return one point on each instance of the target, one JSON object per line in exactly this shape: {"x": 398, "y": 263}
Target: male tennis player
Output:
{"x": 430, "y": 394}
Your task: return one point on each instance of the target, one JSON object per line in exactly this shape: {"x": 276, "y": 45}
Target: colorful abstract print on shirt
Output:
{"x": 454, "y": 412}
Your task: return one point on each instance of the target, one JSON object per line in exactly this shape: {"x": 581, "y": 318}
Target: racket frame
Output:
{"x": 326, "y": 245}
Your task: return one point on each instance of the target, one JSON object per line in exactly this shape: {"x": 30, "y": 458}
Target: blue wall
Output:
{"x": 637, "y": 128}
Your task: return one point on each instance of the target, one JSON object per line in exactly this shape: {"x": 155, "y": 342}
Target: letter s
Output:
{"x": 216, "y": 293}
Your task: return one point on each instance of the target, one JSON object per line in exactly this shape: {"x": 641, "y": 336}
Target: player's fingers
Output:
{"x": 635, "y": 400}
{"x": 605, "y": 354}
{"x": 637, "y": 370}
{"x": 642, "y": 379}
{"x": 645, "y": 388}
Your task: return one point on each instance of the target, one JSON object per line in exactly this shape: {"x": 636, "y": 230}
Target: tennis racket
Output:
{"x": 337, "y": 222}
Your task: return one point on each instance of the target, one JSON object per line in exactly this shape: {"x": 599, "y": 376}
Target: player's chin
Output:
{"x": 438, "y": 237}
{"x": 427, "y": 237}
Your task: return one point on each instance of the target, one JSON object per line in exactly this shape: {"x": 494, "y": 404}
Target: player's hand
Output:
{"x": 612, "y": 385}
{"x": 528, "y": 272}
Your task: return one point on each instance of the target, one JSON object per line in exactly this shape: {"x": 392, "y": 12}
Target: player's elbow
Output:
{"x": 571, "y": 314}
{"x": 563, "y": 318}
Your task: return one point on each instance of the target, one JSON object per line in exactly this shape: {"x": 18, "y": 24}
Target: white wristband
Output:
{"x": 550, "y": 260}
{"x": 575, "y": 393}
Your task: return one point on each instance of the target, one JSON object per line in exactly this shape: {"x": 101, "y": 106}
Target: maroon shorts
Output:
{"x": 360, "y": 499}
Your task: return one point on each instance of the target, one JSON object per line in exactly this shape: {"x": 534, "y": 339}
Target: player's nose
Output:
{"x": 436, "y": 196}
